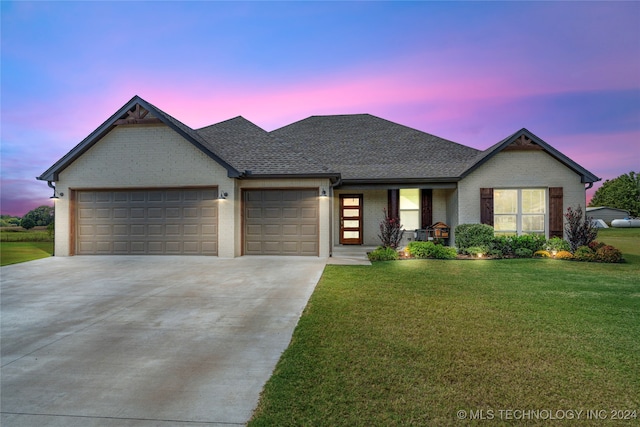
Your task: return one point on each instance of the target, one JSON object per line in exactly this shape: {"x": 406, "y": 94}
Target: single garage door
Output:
{"x": 281, "y": 222}
{"x": 153, "y": 222}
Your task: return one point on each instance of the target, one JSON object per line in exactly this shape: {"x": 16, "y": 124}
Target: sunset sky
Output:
{"x": 471, "y": 72}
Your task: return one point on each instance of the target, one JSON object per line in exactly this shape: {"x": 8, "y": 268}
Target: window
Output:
{"x": 410, "y": 208}
{"x": 519, "y": 211}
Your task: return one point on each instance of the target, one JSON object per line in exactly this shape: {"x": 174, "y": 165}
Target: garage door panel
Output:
{"x": 211, "y": 212}
{"x": 272, "y": 213}
{"x": 138, "y": 247}
{"x": 272, "y": 230}
{"x": 309, "y": 230}
{"x": 290, "y": 230}
{"x": 209, "y": 230}
{"x": 168, "y": 221}
{"x": 280, "y": 222}
{"x": 310, "y": 213}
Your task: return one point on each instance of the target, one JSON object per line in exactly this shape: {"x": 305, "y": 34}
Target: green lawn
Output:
{"x": 414, "y": 342}
{"x": 17, "y": 245}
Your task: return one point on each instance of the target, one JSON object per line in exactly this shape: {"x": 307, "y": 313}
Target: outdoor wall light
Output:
{"x": 324, "y": 193}
{"x": 223, "y": 195}
{"x": 55, "y": 196}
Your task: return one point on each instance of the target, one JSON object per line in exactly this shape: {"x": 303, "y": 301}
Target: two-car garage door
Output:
{"x": 154, "y": 222}
{"x": 185, "y": 222}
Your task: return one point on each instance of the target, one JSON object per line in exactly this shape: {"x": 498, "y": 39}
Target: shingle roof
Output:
{"x": 358, "y": 147}
{"x": 249, "y": 147}
{"x": 366, "y": 147}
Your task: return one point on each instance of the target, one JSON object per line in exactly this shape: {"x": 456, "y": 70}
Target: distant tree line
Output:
{"x": 41, "y": 216}
{"x": 622, "y": 192}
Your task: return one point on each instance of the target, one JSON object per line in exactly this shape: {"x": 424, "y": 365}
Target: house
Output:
{"x": 145, "y": 183}
{"x": 606, "y": 213}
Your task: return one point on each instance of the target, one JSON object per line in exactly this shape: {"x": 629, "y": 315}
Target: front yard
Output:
{"x": 417, "y": 342}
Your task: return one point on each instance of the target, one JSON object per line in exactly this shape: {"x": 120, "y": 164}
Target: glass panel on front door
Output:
{"x": 351, "y": 219}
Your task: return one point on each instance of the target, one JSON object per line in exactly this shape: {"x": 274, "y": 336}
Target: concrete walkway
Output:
{"x": 145, "y": 341}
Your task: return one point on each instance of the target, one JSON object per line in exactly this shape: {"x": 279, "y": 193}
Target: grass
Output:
{"x": 414, "y": 342}
{"x": 18, "y": 245}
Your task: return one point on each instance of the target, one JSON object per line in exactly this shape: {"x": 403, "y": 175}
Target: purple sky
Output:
{"x": 471, "y": 72}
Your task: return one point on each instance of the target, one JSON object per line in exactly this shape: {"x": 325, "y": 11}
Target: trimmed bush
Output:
{"x": 608, "y": 253}
{"x": 542, "y": 254}
{"x": 595, "y": 245}
{"x": 557, "y": 244}
{"x": 533, "y": 242}
{"x": 383, "y": 254}
{"x": 445, "y": 252}
{"x": 475, "y": 250}
{"x": 421, "y": 249}
{"x": 564, "y": 255}
{"x": 504, "y": 244}
{"x": 584, "y": 253}
{"x": 496, "y": 253}
{"x": 431, "y": 250}
{"x": 524, "y": 253}
{"x": 470, "y": 235}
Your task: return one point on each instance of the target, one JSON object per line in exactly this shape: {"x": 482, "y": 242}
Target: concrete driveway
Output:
{"x": 145, "y": 341}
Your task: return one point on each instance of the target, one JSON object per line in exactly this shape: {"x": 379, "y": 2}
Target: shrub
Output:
{"x": 608, "y": 253}
{"x": 475, "y": 250}
{"x": 445, "y": 252}
{"x": 595, "y": 245}
{"x": 542, "y": 254}
{"x": 470, "y": 235}
{"x": 431, "y": 250}
{"x": 564, "y": 255}
{"x": 557, "y": 244}
{"x": 496, "y": 253}
{"x": 579, "y": 230}
{"x": 390, "y": 231}
{"x": 504, "y": 244}
{"x": 383, "y": 254}
{"x": 584, "y": 253}
{"x": 421, "y": 249}
{"x": 524, "y": 253}
{"x": 533, "y": 242}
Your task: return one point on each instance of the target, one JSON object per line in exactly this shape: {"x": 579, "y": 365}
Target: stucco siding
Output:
{"x": 518, "y": 169}
{"x": 143, "y": 156}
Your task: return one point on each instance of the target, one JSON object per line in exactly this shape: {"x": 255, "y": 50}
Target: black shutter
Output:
{"x": 393, "y": 202}
{"x": 555, "y": 212}
{"x": 426, "y": 197}
{"x": 486, "y": 206}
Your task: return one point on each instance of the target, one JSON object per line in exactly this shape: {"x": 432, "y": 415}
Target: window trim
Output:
{"x": 519, "y": 214}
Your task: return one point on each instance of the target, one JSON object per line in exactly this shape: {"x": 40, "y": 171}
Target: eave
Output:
{"x": 123, "y": 116}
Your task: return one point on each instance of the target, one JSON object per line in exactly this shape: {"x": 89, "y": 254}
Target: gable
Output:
{"x": 525, "y": 141}
{"x": 142, "y": 155}
{"x": 136, "y": 112}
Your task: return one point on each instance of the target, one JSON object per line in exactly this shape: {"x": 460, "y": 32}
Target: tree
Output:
{"x": 27, "y": 223}
{"x": 42, "y": 216}
{"x": 622, "y": 192}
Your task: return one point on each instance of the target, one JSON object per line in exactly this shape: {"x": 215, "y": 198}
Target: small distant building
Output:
{"x": 606, "y": 213}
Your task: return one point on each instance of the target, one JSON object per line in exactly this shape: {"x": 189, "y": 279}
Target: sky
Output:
{"x": 470, "y": 72}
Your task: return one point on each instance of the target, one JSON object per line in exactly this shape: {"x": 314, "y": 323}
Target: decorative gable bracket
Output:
{"x": 523, "y": 143}
{"x": 137, "y": 115}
